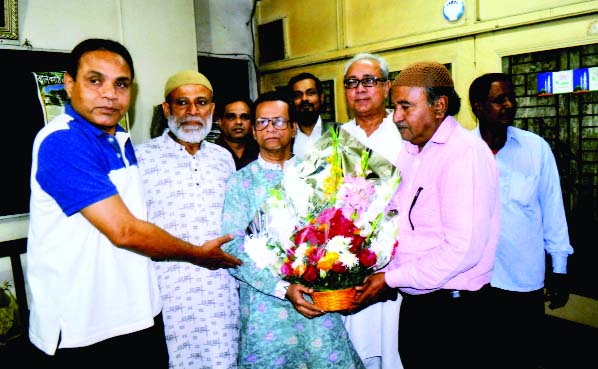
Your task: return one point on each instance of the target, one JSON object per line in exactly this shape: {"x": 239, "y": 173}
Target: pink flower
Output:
{"x": 286, "y": 269}
{"x": 356, "y": 195}
{"x": 315, "y": 254}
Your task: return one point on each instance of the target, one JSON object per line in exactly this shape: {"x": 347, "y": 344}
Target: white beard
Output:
{"x": 190, "y": 134}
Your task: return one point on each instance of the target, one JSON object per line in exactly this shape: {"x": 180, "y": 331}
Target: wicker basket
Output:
{"x": 334, "y": 300}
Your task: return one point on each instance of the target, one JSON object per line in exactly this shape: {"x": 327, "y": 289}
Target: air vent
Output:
{"x": 271, "y": 41}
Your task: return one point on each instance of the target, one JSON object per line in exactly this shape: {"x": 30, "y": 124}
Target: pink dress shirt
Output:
{"x": 448, "y": 213}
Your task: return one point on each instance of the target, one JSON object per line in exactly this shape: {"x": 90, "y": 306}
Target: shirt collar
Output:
{"x": 511, "y": 133}
{"x": 316, "y": 132}
{"x": 168, "y": 140}
{"x": 85, "y": 124}
{"x": 441, "y": 136}
{"x": 274, "y": 166}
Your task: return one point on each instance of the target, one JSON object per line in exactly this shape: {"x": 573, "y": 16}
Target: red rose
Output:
{"x": 357, "y": 240}
{"x": 340, "y": 226}
{"x": 310, "y": 235}
{"x": 339, "y": 268}
{"x": 367, "y": 258}
{"x": 310, "y": 275}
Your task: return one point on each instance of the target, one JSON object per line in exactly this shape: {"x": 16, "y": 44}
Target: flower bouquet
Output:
{"x": 328, "y": 224}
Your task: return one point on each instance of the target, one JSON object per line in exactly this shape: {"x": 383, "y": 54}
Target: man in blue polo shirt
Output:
{"x": 94, "y": 292}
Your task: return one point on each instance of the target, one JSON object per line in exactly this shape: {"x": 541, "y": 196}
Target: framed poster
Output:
{"x": 51, "y": 93}
{"x": 9, "y": 20}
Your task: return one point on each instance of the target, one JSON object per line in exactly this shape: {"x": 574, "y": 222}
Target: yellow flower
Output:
{"x": 335, "y": 179}
{"x": 299, "y": 270}
{"x": 326, "y": 262}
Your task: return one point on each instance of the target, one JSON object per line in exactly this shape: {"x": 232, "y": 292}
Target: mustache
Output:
{"x": 182, "y": 120}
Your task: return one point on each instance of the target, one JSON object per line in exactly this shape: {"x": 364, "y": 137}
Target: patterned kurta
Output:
{"x": 185, "y": 195}
{"x": 273, "y": 333}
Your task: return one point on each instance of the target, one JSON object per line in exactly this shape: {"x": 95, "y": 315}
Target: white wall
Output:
{"x": 223, "y": 28}
{"x": 224, "y": 31}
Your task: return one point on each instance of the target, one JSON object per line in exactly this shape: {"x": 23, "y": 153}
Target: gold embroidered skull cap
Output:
{"x": 186, "y": 77}
{"x": 424, "y": 74}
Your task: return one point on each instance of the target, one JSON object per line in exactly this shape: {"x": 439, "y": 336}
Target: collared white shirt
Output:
{"x": 532, "y": 214}
{"x": 386, "y": 140}
{"x": 303, "y": 142}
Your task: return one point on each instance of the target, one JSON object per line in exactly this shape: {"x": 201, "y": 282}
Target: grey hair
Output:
{"x": 380, "y": 60}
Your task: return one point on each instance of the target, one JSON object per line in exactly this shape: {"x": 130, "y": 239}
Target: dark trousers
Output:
{"x": 518, "y": 325}
{"x": 445, "y": 329}
{"x": 142, "y": 349}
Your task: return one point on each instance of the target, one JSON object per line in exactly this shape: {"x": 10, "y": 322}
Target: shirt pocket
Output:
{"x": 522, "y": 188}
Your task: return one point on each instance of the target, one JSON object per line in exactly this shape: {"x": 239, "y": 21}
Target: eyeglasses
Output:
{"x": 419, "y": 190}
{"x": 277, "y": 122}
{"x": 365, "y": 82}
{"x": 233, "y": 116}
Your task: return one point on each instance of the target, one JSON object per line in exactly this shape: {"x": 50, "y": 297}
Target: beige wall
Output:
{"x": 405, "y": 32}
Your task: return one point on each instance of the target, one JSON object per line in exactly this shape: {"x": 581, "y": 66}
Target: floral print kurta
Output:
{"x": 273, "y": 333}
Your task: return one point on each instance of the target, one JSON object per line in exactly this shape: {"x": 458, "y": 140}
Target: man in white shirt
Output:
{"x": 373, "y": 330}
{"x": 308, "y": 97}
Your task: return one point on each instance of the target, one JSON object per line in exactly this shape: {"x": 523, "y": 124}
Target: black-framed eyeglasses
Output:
{"x": 277, "y": 122}
{"x": 365, "y": 82}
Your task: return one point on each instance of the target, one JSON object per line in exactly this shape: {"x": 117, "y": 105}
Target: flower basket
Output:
{"x": 330, "y": 222}
{"x": 334, "y": 300}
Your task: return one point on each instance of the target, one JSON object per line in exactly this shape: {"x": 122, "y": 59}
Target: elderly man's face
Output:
{"x": 101, "y": 92}
{"x": 189, "y": 111}
{"x": 366, "y": 100}
{"x": 271, "y": 139}
{"x": 415, "y": 118}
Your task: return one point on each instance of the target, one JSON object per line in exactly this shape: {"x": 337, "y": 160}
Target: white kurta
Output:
{"x": 374, "y": 330}
{"x": 185, "y": 196}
